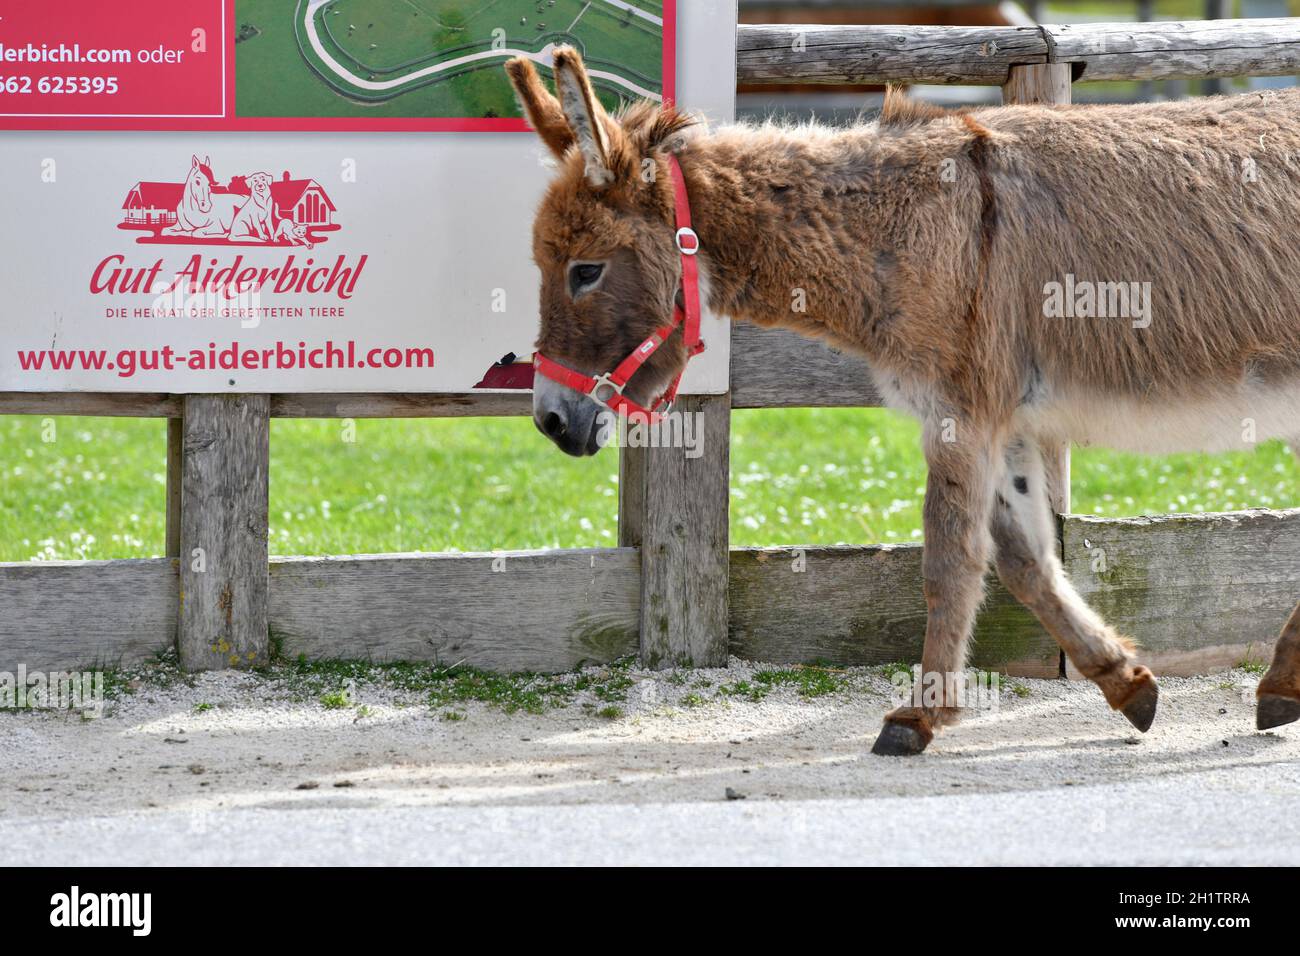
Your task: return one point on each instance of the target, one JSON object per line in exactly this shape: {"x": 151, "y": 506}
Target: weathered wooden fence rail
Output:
{"x": 818, "y": 53}
{"x": 1202, "y": 591}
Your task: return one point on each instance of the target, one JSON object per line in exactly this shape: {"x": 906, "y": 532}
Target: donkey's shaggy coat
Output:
{"x": 976, "y": 260}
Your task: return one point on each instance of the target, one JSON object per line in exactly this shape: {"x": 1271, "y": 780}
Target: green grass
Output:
{"x": 402, "y": 30}
{"x": 809, "y": 681}
{"x": 446, "y": 689}
{"x": 96, "y": 489}
{"x": 336, "y": 700}
{"x": 744, "y": 690}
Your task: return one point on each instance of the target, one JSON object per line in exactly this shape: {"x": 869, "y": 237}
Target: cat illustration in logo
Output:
{"x": 255, "y": 219}
{"x": 293, "y": 233}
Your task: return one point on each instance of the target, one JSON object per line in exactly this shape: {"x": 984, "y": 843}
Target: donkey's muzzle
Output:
{"x": 578, "y": 442}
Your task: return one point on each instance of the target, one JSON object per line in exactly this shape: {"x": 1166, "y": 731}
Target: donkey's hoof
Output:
{"x": 1274, "y": 711}
{"x": 1141, "y": 706}
{"x": 898, "y": 740}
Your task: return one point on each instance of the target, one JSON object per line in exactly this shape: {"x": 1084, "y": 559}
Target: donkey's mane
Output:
{"x": 901, "y": 110}
{"x": 655, "y": 126}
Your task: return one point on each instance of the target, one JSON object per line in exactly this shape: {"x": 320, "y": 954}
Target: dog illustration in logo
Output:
{"x": 201, "y": 211}
{"x": 255, "y": 219}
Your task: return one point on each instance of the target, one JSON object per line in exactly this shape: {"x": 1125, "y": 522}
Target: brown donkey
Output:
{"x": 1016, "y": 277}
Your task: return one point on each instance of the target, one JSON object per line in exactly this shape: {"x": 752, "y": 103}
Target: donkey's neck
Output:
{"x": 818, "y": 231}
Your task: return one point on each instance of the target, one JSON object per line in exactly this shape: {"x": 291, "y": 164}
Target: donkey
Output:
{"x": 933, "y": 244}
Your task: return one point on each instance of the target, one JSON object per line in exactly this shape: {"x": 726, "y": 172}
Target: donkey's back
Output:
{"x": 1150, "y": 258}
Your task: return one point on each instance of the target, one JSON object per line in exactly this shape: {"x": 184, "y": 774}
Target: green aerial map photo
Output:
{"x": 433, "y": 58}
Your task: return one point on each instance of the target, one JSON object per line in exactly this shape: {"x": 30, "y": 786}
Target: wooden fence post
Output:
{"x": 225, "y": 459}
{"x": 1047, "y": 83}
{"x": 675, "y": 508}
{"x": 175, "y": 443}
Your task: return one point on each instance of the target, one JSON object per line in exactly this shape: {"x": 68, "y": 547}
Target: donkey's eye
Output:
{"x": 584, "y": 275}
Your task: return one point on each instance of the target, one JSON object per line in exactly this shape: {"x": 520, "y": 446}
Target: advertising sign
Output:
{"x": 299, "y": 195}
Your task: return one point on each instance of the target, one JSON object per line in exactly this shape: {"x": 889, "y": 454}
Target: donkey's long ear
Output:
{"x": 601, "y": 140}
{"x": 543, "y": 109}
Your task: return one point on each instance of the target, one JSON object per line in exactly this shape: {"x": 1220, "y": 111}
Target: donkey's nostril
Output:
{"x": 554, "y": 425}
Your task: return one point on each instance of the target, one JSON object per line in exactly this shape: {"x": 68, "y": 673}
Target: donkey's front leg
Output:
{"x": 1279, "y": 691}
{"x": 958, "y": 498}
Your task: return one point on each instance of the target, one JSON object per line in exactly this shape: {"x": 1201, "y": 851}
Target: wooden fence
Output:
{"x": 1200, "y": 591}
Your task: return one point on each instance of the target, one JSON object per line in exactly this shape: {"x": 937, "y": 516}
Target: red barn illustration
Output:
{"x": 302, "y": 200}
{"x": 152, "y": 204}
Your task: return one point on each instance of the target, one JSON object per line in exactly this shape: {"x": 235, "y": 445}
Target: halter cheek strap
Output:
{"x": 607, "y": 389}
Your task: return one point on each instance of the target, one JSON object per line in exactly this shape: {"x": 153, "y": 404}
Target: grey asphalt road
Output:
{"x": 1242, "y": 815}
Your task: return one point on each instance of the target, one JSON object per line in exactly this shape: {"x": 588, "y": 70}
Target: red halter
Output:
{"x": 607, "y": 389}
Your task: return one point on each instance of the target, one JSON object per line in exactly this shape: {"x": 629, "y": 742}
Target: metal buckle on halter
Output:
{"x": 604, "y": 379}
{"x": 688, "y": 243}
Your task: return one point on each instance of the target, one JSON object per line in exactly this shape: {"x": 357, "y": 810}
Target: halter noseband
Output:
{"x": 607, "y": 389}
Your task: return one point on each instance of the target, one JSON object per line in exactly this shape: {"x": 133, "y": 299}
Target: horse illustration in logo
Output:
{"x": 252, "y": 209}
{"x": 200, "y": 212}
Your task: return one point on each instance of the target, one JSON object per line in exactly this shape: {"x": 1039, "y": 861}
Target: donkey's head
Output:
{"x": 604, "y": 242}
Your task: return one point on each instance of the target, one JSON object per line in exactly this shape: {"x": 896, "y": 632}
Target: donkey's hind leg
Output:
{"x": 1028, "y": 566}
{"x": 958, "y": 496}
{"x": 1279, "y": 691}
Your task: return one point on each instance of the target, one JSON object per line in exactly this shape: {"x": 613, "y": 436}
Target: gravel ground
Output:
{"x": 683, "y": 774}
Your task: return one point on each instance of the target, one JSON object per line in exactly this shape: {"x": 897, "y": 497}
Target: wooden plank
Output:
{"x": 864, "y": 605}
{"x": 293, "y": 405}
{"x": 223, "y": 563}
{"x": 541, "y": 611}
{"x": 1197, "y": 592}
{"x": 681, "y": 529}
{"x": 631, "y": 493}
{"x": 401, "y": 405}
{"x": 106, "y": 404}
{"x": 1047, "y": 83}
{"x": 777, "y": 368}
{"x": 74, "y": 614}
{"x": 871, "y": 55}
{"x": 1181, "y": 49}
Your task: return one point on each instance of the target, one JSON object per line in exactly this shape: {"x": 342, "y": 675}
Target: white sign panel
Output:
{"x": 237, "y": 256}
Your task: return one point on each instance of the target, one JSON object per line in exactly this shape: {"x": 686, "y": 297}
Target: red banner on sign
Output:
{"x": 67, "y": 60}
